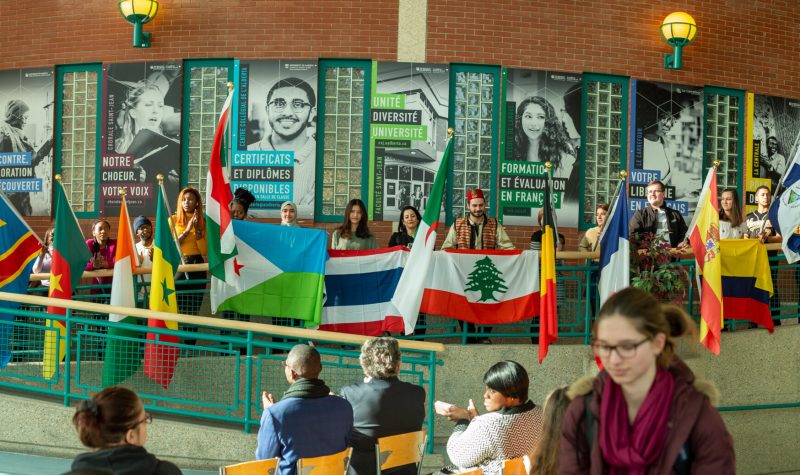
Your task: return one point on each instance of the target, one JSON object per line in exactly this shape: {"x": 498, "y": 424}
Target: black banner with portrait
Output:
{"x": 140, "y": 135}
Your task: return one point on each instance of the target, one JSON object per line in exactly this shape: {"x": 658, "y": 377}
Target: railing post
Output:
{"x": 67, "y": 354}
{"x": 248, "y": 371}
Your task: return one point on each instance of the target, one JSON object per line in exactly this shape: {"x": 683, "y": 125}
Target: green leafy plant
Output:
{"x": 655, "y": 269}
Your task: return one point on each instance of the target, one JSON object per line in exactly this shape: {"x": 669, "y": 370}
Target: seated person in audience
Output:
{"x": 382, "y": 405}
{"x": 308, "y": 421}
{"x": 544, "y": 460}
{"x": 114, "y": 424}
{"x": 511, "y": 427}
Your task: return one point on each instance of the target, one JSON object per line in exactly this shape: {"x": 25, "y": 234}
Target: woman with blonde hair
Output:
{"x": 645, "y": 412}
{"x": 544, "y": 460}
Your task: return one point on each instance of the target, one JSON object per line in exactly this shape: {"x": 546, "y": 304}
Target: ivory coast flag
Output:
{"x": 123, "y": 351}
{"x": 161, "y": 351}
{"x": 548, "y": 310}
{"x": 408, "y": 294}
{"x": 221, "y": 239}
{"x": 704, "y": 237}
{"x": 70, "y": 256}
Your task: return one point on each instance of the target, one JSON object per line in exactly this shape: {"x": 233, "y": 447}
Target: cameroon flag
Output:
{"x": 70, "y": 256}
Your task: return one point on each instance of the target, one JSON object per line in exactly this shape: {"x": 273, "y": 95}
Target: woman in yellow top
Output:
{"x": 189, "y": 225}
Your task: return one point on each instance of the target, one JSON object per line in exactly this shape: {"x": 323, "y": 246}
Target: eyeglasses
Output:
{"x": 148, "y": 419}
{"x": 280, "y": 104}
{"x": 624, "y": 350}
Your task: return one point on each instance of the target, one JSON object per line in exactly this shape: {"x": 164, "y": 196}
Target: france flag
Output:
{"x": 615, "y": 258}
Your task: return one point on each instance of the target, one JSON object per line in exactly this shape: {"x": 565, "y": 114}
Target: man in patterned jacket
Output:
{"x": 477, "y": 231}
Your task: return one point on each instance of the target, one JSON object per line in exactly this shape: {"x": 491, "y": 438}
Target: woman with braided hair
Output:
{"x": 114, "y": 424}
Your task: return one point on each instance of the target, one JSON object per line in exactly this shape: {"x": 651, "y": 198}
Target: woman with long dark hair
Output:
{"x": 189, "y": 224}
{"x": 645, "y": 412}
{"x": 114, "y": 424}
{"x": 541, "y": 137}
{"x": 406, "y": 228}
{"x": 353, "y": 233}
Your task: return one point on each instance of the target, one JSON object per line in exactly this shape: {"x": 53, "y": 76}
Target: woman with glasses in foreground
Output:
{"x": 645, "y": 412}
{"x": 114, "y": 423}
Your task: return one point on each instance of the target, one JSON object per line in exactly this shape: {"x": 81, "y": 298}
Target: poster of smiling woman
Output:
{"x": 26, "y": 139}
{"x": 543, "y": 113}
{"x": 275, "y": 138}
{"x": 140, "y": 134}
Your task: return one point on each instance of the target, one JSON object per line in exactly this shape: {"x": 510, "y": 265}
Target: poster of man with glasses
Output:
{"x": 276, "y": 154}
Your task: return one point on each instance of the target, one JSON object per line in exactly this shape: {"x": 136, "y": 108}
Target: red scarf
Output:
{"x": 631, "y": 449}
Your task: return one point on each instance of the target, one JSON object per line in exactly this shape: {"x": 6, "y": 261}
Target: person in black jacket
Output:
{"x": 659, "y": 219}
{"x": 114, "y": 423}
{"x": 382, "y": 405}
{"x": 406, "y": 228}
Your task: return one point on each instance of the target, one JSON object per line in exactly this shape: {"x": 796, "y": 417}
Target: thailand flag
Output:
{"x": 615, "y": 258}
{"x": 359, "y": 286}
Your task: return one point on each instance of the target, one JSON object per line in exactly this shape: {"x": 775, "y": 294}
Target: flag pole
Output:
{"x": 172, "y": 233}
{"x": 623, "y": 175}
{"x": 549, "y": 166}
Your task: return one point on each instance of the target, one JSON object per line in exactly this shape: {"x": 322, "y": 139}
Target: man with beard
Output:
{"x": 291, "y": 109}
{"x": 477, "y": 231}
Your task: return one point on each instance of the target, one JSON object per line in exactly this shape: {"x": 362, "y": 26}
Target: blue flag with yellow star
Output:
{"x": 161, "y": 351}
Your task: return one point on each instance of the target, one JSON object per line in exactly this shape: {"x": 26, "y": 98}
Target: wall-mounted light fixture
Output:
{"x": 139, "y": 12}
{"x": 678, "y": 29}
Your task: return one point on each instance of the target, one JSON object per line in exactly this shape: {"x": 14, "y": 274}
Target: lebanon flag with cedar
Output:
{"x": 704, "y": 237}
{"x": 161, "y": 350}
{"x": 548, "y": 316}
{"x": 123, "y": 351}
{"x": 221, "y": 239}
{"x": 408, "y": 294}
{"x": 70, "y": 256}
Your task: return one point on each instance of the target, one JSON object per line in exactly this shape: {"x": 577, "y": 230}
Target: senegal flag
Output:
{"x": 123, "y": 352}
{"x": 70, "y": 256}
{"x": 161, "y": 351}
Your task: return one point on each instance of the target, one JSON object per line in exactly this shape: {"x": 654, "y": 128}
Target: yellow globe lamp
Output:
{"x": 678, "y": 29}
{"x": 137, "y": 13}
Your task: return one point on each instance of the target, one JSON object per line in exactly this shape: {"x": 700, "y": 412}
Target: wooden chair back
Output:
{"x": 325, "y": 465}
{"x": 514, "y": 466}
{"x": 402, "y": 449}
{"x": 253, "y": 467}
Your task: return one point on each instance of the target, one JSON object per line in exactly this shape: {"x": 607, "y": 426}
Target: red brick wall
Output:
{"x": 750, "y": 45}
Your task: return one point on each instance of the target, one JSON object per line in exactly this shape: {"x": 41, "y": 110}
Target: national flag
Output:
{"x": 358, "y": 291}
{"x": 279, "y": 272}
{"x": 548, "y": 311}
{"x": 483, "y": 286}
{"x": 221, "y": 241}
{"x": 784, "y": 213}
{"x": 69, "y": 259}
{"x": 615, "y": 248}
{"x": 161, "y": 350}
{"x": 704, "y": 238}
{"x": 123, "y": 354}
{"x": 18, "y": 249}
{"x": 746, "y": 281}
{"x": 407, "y": 297}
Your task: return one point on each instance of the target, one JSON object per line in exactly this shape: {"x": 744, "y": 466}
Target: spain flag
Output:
{"x": 704, "y": 237}
{"x": 548, "y": 311}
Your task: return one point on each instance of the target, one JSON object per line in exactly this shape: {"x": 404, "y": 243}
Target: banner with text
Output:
{"x": 26, "y": 139}
{"x": 408, "y": 134}
{"x": 275, "y": 134}
{"x": 543, "y": 114}
{"x": 140, "y": 136}
{"x": 776, "y": 137}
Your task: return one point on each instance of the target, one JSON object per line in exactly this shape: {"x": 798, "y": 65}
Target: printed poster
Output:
{"x": 666, "y": 144}
{"x": 141, "y": 133}
{"x": 275, "y": 136}
{"x": 543, "y": 114}
{"x": 776, "y": 137}
{"x": 26, "y": 139}
{"x": 408, "y": 130}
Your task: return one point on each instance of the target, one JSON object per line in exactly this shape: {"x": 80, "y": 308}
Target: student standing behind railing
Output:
{"x": 190, "y": 228}
{"x": 45, "y": 258}
{"x": 114, "y": 424}
{"x": 353, "y": 233}
{"x": 761, "y": 228}
{"x": 104, "y": 250}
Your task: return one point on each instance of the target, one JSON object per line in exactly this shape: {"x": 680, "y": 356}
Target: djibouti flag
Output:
{"x": 279, "y": 272}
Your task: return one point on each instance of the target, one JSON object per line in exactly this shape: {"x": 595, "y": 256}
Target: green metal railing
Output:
{"x": 221, "y": 369}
